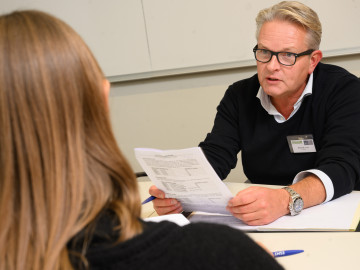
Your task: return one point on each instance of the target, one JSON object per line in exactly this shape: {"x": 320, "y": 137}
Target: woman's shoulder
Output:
{"x": 194, "y": 246}
{"x": 220, "y": 247}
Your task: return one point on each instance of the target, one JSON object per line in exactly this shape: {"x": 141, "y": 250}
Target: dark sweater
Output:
{"x": 166, "y": 245}
{"x": 331, "y": 114}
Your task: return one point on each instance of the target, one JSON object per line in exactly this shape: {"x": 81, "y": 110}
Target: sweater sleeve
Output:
{"x": 339, "y": 132}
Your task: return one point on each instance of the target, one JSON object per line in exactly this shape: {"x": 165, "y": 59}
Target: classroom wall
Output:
{"x": 145, "y": 38}
{"x": 178, "y": 111}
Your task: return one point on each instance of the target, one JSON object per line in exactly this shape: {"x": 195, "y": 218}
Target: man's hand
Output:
{"x": 162, "y": 205}
{"x": 259, "y": 205}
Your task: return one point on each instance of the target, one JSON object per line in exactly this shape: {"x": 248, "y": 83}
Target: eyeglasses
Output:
{"x": 284, "y": 58}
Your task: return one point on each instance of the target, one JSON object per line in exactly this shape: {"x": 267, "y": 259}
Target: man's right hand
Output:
{"x": 162, "y": 205}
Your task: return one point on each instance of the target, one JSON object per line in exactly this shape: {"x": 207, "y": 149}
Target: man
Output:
{"x": 295, "y": 122}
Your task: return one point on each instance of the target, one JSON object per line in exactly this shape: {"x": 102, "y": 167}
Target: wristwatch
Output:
{"x": 296, "y": 203}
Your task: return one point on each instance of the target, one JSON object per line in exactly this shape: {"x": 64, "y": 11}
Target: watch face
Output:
{"x": 298, "y": 205}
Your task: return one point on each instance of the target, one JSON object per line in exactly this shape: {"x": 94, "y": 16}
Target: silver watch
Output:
{"x": 296, "y": 203}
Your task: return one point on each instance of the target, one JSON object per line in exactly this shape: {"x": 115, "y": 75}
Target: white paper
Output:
{"x": 220, "y": 219}
{"x": 336, "y": 215}
{"x": 187, "y": 176}
{"x": 179, "y": 219}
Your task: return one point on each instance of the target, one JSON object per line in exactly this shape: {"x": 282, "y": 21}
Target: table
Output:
{"x": 323, "y": 250}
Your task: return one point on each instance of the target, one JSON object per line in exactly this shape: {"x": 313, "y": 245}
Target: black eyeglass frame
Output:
{"x": 308, "y": 52}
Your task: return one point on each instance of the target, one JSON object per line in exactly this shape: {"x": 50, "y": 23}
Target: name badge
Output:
{"x": 301, "y": 144}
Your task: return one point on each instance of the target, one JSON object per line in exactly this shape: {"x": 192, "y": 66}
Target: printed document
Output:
{"x": 187, "y": 176}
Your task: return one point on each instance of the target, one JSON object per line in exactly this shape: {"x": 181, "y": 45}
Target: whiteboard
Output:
{"x": 113, "y": 29}
{"x": 134, "y": 39}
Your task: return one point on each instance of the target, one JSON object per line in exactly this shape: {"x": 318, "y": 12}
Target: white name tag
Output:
{"x": 301, "y": 144}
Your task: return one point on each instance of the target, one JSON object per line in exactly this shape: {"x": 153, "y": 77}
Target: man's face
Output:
{"x": 277, "y": 80}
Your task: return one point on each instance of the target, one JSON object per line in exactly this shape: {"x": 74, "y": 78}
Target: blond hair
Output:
{"x": 59, "y": 162}
{"x": 294, "y": 12}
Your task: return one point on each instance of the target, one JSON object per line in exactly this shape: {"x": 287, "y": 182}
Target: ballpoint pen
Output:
{"x": 149, "y": 199}
{"x": 283, "y": 253}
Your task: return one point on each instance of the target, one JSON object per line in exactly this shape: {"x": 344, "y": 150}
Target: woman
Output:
{"x": 68, "y": 198}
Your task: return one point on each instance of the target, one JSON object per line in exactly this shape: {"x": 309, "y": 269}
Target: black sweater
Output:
{"x": 166, "y": 245}
{"x": 331, "y": 114}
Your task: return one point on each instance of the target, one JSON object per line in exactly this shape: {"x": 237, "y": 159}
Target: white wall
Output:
{"x": 177, "y": 112}
{"x": 142, "y": 38}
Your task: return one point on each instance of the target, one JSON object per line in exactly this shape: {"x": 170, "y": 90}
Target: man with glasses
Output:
{"x": 295, "y": 123}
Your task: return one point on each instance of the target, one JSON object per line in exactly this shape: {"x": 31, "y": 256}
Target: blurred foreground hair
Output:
{"x": 60, "y": 165}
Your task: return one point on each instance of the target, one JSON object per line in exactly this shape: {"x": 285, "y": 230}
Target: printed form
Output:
{"x": 186, "y": 175}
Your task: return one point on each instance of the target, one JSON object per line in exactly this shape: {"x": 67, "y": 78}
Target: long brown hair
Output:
{"x": 60, "y": 165}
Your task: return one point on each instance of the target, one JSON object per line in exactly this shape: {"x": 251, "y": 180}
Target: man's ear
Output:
{"x": 315, "y": 58}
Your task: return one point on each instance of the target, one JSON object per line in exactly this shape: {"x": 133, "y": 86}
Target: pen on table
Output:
{"x": 149, "y": 199}
{"x": 287, "y": 252}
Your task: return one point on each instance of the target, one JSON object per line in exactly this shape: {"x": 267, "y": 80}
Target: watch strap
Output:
{"x": 293, "y": 196}
{"x": 292, "y": 192}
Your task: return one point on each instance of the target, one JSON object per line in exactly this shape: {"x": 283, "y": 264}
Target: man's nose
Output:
{"x": 273, "y": 64}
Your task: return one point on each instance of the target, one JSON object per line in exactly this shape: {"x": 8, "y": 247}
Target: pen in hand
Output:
{"x": 149, "y": 199}
{"x": 283, "y": 253}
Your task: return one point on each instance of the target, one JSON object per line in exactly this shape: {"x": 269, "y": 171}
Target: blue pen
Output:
{"x": 287, "y": 252}
{"x": 149, "y": 199}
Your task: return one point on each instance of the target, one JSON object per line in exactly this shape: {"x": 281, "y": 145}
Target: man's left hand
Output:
{"x": 259, "y": 205}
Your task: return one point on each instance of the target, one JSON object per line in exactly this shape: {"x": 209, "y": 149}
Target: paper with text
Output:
{"x": 186, "y": 175}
